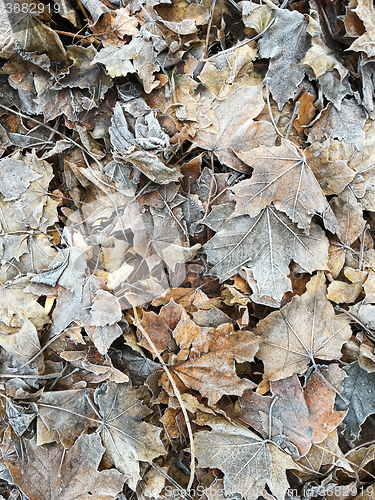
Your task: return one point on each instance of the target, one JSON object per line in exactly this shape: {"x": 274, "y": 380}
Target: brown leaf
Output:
{"x": 248, "y": 462}
{"x": 160, "y": 327}
{"x": 54, "y": 474}
{"x": 304, "y": 416}
{"x": 265, "y": 245}
{"x": 302, "y": 331}
{"x": 274, "y": 180}
{"x": 206, "y": 362}
{"x": 329, "y": 163}
{"x": 235, "y": 126}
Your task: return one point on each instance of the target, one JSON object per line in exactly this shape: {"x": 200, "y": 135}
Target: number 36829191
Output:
{"x": 31, "y": 8}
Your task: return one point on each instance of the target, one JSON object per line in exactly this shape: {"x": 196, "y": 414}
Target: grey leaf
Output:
{"x": 286, "y": 44}
{"x": 358, "y": 397}
{"x": 15, "y": 178}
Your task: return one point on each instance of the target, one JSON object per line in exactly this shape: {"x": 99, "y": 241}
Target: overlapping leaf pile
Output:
{"x": 187, "y": 264}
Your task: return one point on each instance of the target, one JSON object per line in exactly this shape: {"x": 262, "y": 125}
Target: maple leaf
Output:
{"x": 236, "y": 72}
{"x": 29, "y": 36}
{"x": 285, "y": 43}
{"x": 160, "y": 327}
{"x": 265, "y": 244}
{"x": 366, "y": 12}
{"x": 302, "y": 331}
{"x": 321, "y": 57}
{"x": 56, "y": 474}
{"x": 329, "y": 163}
{"x": 276, "y": 170}
{"x": 357, "y": 397}
{"x": 235, "y": 126}
{"x": 323, "y": 454}
{"x": 339, "y": 291}
{"x": 207, "y": 359}
{"x": 345, "y": 124}
{"x": 248, "y": 462}
{"x": 16, "y": 304}
{"x": 83, "y": 74}
{"x": 303, "y": 416}
{"x": 126, "y": 438}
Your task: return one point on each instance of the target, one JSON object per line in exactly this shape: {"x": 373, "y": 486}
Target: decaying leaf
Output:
{"x": 357, "y": 397}
{"x": 248, "y": 462}
{"x": 274, "y": 181}
{"x": 235, "y": 126}
{"x": 302, "y": 331}
{"x": 298, "y": 416}
{"x": 265, "y": 244}
{"x": 285, "y": 43}
{"x": 54, "y": 474}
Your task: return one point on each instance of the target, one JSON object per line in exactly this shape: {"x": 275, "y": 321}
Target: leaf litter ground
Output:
{"x": 187, "y": 265}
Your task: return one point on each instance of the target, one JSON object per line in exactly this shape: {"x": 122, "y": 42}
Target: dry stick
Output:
{"x": 177, "y": 394}
{"x": 245, "y": 42}
{"x": 271, "y": 5}
{"x": 209, "y": 27}
{"x": 211, "y": 186}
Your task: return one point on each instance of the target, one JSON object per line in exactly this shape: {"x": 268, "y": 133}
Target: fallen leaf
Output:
{"x": 235, "y": 126}
{"x": 265, "y": 244}
{"x": 274, "y": 180}
{"x": 302, "y": 331}
{"x": 285, "y": 43}
{"x": 357, "y": 397}
{"x": 298, "y": 416}
{"x": 244, "y": 458}
{"x": 56, "y": 475}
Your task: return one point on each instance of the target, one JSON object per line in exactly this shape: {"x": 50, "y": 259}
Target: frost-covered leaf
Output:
{"x": 244, "y": 458}
{"x": 285, "y": 43}
{"x": 235, "y": 127}
{"x": 56, "y": 474}
{"x": 266, "y": 244}
{"x": 273, "y": 180}
{"x": 358, "y": 397}
{"x": 302, "y": 331}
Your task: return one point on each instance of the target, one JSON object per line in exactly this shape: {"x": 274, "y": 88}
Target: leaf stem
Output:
{"x": 138, "y": 324}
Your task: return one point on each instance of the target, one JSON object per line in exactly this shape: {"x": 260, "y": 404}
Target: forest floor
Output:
{"x": 187, "y": 264}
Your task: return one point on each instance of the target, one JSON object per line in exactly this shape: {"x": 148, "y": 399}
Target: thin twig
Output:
{"x": 271, "y": 5}
{"x": 245, "y": 42}
{"x": 209, "y": 27}
{"x": 368, "y": 332}
{"x": 211, "y": 186}
{"x": 138, "y": 324}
